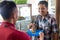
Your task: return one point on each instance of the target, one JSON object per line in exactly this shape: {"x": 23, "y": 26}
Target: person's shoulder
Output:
{"x": 19, "y": 32}
{"x": 51, "y": 15}
{"x": 38, "y": 15}
{"x": 21, "y": 35}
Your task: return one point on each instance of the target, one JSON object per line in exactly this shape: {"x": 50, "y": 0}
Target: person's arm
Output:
{"x": 54, "y": 29}
{"x": 35, "y": 21}
{"x": 55, "y": 36}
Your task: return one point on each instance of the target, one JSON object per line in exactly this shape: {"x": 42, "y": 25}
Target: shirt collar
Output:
{"x": 7, "y": 24}
{"x": 46, "y": 16}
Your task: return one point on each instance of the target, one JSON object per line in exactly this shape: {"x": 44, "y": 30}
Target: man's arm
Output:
{"x": 54, "y": 29}
{"x": 55, "y": 36}
{"x": 35, "y": 21}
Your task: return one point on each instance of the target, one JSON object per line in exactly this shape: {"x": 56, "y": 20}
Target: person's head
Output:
{"x": 8, "y": 11}
{"x": 43, "y": 7}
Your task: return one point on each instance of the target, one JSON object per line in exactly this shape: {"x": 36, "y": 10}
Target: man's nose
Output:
{"x": 41, "y": 10}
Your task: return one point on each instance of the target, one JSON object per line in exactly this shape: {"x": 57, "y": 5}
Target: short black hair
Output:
{"x": 6, "y": 9}
{"x": 44, "y": 2}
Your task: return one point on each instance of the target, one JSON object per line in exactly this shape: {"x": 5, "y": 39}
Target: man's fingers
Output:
{"x": 41, "y": 36}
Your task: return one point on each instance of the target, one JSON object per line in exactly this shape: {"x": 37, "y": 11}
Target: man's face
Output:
{"x": 15, "y": 15}
{"x": 42, "y": 9}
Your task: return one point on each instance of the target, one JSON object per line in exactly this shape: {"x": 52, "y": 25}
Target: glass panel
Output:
{"x": 52, "y": 7}
{"x": 1, "y": 18}
{"x": 24, "y": 13}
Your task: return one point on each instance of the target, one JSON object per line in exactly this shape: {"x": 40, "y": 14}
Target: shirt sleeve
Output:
{"x": 27, "y": 37}
{"x": 35, "y": 20}
{"x": 54, "y": 25}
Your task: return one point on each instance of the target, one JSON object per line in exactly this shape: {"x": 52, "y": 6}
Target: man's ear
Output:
{"x": 47, "y": 8}
{"x": 12, "y": 16}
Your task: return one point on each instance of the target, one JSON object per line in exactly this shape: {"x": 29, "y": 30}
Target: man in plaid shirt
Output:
{"x": 44, "y": 21}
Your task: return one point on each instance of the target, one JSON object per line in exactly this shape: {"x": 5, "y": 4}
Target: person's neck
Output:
{"x": 10, "y": 21}
{"x": 43, "y": 16}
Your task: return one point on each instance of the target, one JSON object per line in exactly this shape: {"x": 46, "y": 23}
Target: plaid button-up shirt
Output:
{"x": 48, "y": 24}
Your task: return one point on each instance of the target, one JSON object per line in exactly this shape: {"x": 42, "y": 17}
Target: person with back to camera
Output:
{"x": 8, "y": 11}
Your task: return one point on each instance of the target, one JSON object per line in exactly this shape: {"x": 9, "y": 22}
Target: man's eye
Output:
{"x": 42, "y": 8}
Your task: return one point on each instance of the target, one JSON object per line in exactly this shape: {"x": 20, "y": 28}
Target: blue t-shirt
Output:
{"x": 36, "y": 33}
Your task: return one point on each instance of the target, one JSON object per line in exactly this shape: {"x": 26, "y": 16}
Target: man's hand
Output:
{"x": 31, "y": 25}
{"x": 41, "y": 36}
{"x": 55, "y": 36}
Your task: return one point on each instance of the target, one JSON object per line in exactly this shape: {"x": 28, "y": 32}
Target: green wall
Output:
{"x": 20, "y": 1}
